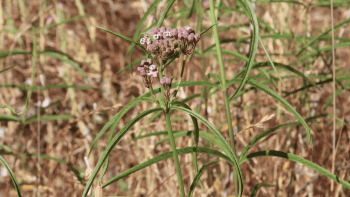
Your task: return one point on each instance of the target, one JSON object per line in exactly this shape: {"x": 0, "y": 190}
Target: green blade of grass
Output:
{"x": 254, "y": 45}
{"x": 257, "y": 187}
{"x": 6, "y": 118}
{"x": 317, "y": 52}
{"x": 111, "y": 145}
{"x": 284, "y": 103}
{"x": 198, "y": 176}
{"x": 7, "y": 68}
{"x": 272, "y": 64}
{"x": 4, "y": 54}
{"x": 165, "y": 12}
{"x": 271, "y": 130}
{"x": 196, "y": 135}
{"x": 116, "y": 118}
{"x": 297, "y": 159}
{"x": 203, "y": 32}
{"x": 280, "y": 65}
{"x": 128, "y": 39}
{"x": 139, "y": 26}
{"x": 13, "y": 178}
{"x": 163, "y": 156}
{"x": 50, "y": 117}
{"x": 328, "y": 80}
{"x": 322, "y": 34}
{"x": 64, "y": 59}
{"x": 131, "y": 65}
{"x": 61, "y": 23}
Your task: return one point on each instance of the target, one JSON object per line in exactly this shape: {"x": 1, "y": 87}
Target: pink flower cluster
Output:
{"x": 148, "y": 71}
{"x": 168, "y": 42}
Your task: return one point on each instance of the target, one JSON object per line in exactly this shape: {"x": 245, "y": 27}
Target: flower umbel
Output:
{"x": 148, "y": 71}
{"x": 169, "y": 42}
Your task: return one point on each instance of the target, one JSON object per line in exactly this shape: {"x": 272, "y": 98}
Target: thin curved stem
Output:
{"x": 176, "y": 159}
{"x": 180, "y": 79}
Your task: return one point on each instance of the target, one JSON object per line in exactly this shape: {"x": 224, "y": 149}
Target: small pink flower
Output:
{"x": 49, "y": 20}
{"x": 197, "y": 37}
{"x": 165, "y": 81}
{"x": 60, "y": 6}
{"x": 206, "y": 4}
{"x": 153, "y": 73}
{"x": 149, "y": 61}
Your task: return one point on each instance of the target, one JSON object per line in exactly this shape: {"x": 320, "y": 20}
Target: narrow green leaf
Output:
{"x": 272, "y": 64}
{"x": 203, "y": 32}
{"x": 139, "y": 26}
{"x": 131, "y": 65}
{"x": 163, "y": 156}
{"x": 254, "y": 45}
{"x": 114, "y": 142}
{"x": 284, "y": 103}
{"x": 271, "y": 130}
{"x": 196, "y": 134}
{"x": 322, "y": 34}
{"x": 116, "y": 118}
{"x": 165, "y": 12}
{"x": 13, "y": 178}
{"x": 64, "y": 59}
{"x": 298, "y": 159}
{"x": 4, "y": 54}
{"x": 280, "y": 65}
{"x": 61, "y": 23}
{"x": 257, "y": 187}
{"x": 317, "y": 52}
{"x": 198, "y": 176}
{"x": 6, "y": 118}
{"x": 8, "y": 68}
{"x": 125, "y": 38}
{"x": 50, "y": 117}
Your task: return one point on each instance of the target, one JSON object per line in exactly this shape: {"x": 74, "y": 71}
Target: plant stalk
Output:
{"x": 176, "y": 159}
{"x": 224, "y": 88}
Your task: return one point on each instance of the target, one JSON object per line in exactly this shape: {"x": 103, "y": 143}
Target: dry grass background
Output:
{"x": 101, "y": 55}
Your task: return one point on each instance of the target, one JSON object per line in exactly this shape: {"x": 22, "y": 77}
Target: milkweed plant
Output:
{"x": 162, "y": 46}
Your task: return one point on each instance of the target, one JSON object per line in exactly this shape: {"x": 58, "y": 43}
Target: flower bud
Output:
{"x": 165, "y": 81}
{"x": 152, "y": 67}
{"x": 149, "y": 61}
{"x": 185, "y": 34}
{"x": 143, "y": 62}
{"x": 173, "y": 33}
{"x": 142, "y": 71}
{"x": 190, "y": 38}
{"x": 197, "y": 37}
{"x": 149, "y": 41}
{"x": 162, "y": 29}
{"x": 189, "y": 29}
{"x": 155, "y": 30}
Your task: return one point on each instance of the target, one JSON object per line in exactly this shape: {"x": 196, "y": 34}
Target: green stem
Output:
{"x": 176, "y": 159}
{"x": 224, "y": 86}
{"x": 223, "y": 77}
{"x": 180, "y": 79}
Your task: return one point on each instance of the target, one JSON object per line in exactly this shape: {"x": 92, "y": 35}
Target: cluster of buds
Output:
{"x": 166, "y": 83}
{"x": 148, "y": 71}
{"x": 168, "y": 42}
